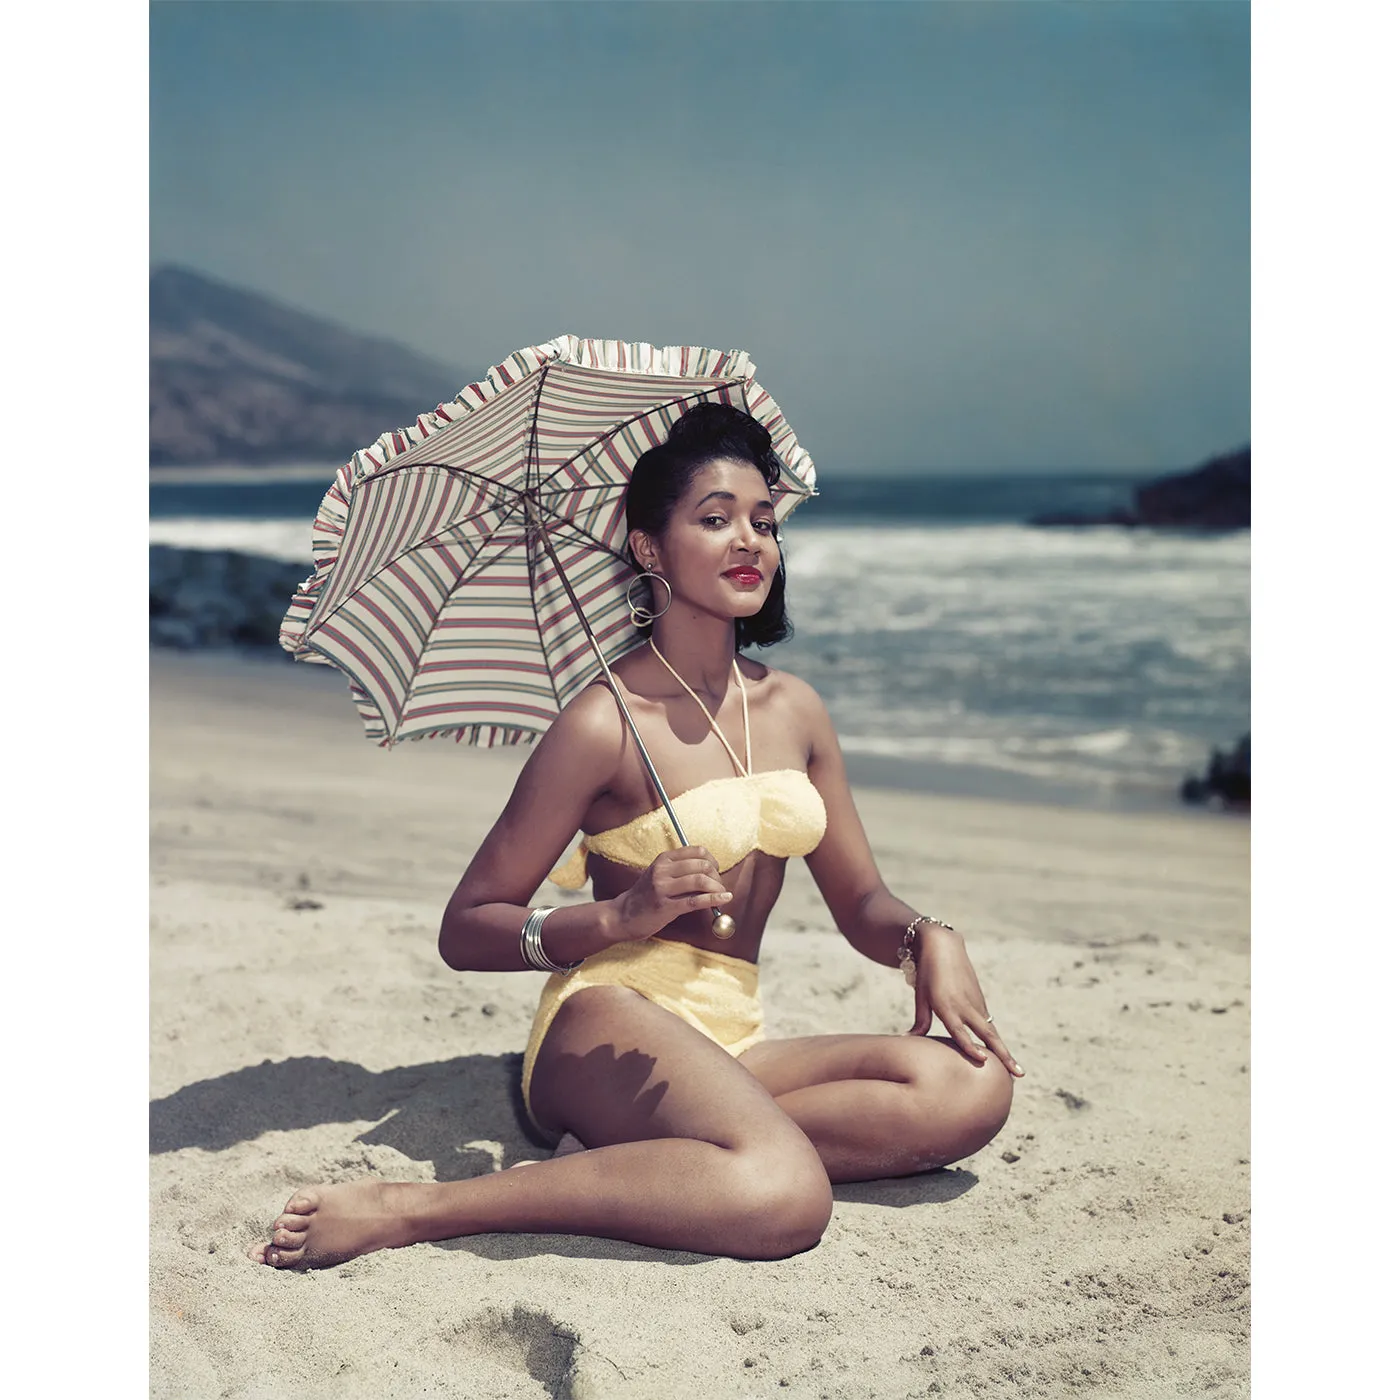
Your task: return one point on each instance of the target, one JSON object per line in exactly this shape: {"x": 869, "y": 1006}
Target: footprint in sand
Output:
{"x": 530, "y": 1342}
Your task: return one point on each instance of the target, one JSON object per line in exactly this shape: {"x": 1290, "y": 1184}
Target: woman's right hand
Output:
{"x": 675, "y": 883}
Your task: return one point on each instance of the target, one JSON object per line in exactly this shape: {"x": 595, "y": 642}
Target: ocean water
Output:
{"x": 955, "y": 646}
{"x": 1095, "y": 660}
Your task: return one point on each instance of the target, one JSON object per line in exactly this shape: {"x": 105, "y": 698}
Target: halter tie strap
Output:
{"x": 745, "y": 769}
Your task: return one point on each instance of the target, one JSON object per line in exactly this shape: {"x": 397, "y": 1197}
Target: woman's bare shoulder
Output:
{"x": 784, "y": 687}
{"x": 590, "y": 721}
{"x": 591, "y": 740}
{"x": 796, "y": 703}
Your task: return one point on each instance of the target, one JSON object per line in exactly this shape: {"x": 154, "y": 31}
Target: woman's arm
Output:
{"x": 571, "y": 766}
{"x": 872, "y": 919}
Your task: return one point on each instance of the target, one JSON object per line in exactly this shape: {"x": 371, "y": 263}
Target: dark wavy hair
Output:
{"x": 663, "y": 475}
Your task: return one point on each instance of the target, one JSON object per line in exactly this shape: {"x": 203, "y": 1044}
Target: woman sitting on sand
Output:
{"x": 648, "y": 1045}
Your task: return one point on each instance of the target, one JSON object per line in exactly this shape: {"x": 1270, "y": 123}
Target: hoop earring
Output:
{"x": 642, "y": 616}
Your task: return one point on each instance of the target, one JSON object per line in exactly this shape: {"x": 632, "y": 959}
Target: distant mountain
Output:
{"x": 1213, "y": 496}
{"x": 239, "y": 378}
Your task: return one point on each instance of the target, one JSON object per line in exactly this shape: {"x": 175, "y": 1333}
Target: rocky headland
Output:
{"x": 1213, "y": 496}
{"x": 239, "y": 378}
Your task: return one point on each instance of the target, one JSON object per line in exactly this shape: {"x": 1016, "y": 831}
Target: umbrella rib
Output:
{"x": 616, "y": 428}
{"x": 485, "y": 480}
{"x": 503, "y": 492}
{"x": 476, "y": 565}
{"x": 531, "y": 462}
{"x": 531, "y": 454}
{"x": 563, "y": 525}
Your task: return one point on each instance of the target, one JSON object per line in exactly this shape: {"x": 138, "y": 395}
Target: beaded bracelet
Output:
{"x": 532, "y": 949}
{"x": 906, "y": 944}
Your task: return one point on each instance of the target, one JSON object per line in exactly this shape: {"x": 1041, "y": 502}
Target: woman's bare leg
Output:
{"x": 689, "y": 1152}
{"x": 883, "y": 1105}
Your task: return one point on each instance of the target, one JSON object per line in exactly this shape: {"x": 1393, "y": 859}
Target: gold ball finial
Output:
{"x": 722, "y": 926}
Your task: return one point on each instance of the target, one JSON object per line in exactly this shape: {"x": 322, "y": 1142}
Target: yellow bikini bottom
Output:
{"x": 715, "y": 993}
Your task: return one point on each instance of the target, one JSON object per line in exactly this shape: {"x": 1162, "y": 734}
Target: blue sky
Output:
{"x": 983, "y": 236}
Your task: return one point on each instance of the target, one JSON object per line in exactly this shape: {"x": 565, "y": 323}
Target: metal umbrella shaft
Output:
{"x": 723, "y": 925}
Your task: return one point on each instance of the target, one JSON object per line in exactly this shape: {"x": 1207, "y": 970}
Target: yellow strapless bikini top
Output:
{"x": 779, "y": 812}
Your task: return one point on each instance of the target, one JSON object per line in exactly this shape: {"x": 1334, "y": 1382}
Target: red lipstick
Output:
{"x": 745, "y": 574}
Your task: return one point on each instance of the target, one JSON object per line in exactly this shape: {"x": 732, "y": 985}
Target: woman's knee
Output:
{"x": 991, "y": 1091}
{"x": 784, "y": 1202}
{"x": 956, "y": 1107}
{"x": 982, "y": 1103}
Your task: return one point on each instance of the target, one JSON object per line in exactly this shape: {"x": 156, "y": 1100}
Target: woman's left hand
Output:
{"x": 946, "y": 986}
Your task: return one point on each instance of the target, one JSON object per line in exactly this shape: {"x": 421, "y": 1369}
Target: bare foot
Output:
{"x": 327, "y": 1225}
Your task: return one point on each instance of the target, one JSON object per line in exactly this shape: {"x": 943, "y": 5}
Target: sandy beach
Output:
{"x": 304, "y": 1029}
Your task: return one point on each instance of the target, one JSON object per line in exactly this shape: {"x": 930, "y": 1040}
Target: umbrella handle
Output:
{"x": 721, "y": 924}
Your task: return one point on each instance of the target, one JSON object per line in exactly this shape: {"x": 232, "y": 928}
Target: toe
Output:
{"x": 258, "y": 1253}
{"x": 288, "y": 1239}
{"x": 303, "y": 1203}
{"x": 288, "y": 1221}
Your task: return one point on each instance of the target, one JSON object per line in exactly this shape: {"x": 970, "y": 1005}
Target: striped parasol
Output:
{"x": 470, "y": 577}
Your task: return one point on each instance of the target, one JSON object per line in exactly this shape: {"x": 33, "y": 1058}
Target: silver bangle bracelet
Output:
{"x": 532, "y": 949}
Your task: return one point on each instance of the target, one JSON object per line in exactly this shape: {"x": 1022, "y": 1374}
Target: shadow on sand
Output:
{"x": 425, "y": 1111}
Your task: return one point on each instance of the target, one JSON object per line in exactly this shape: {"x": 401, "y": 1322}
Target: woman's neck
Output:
{"x": 700, "y": 648}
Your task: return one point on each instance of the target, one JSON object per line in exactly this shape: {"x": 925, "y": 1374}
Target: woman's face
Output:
{"x": 720, "y": 549}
